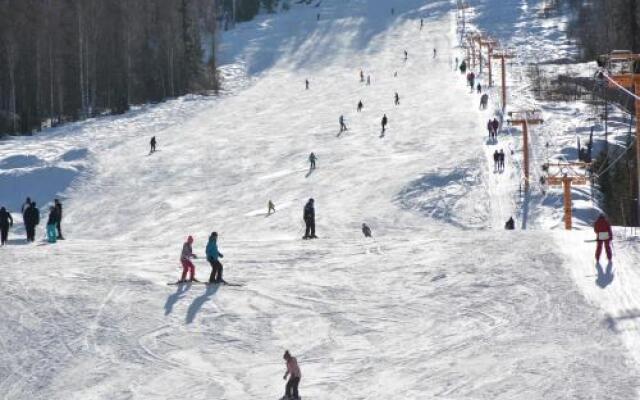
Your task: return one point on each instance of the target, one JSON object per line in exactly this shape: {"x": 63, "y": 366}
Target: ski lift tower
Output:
{"x": 525, "y": 119}
{"x": 565, "y": 175}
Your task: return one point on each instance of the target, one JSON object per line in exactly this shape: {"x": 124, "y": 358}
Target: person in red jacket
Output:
{"x": 602, "y": 228}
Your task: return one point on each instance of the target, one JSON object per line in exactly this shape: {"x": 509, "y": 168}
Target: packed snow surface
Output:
{"x": 441, "y": 303}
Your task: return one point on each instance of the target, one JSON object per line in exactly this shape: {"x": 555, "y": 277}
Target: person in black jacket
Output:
{"x": 309, "y": 217}
{"x": 31, "y": 219}
{"x": 58, "y": 207}
{"x": 6, "y": 220}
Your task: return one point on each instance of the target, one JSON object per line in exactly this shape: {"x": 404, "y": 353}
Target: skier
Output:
{"x": 384, "y": 123}
{"x": 6, "y": 221}
{"x": 501, "y": 160}
{"x": 484, "y": 100}
{"x": 212, "y": 256}
{"x": 312, "y": 161}
{"x": 31, "y": 219}
{"x": 366, "y": 231}
{"x": 435, "y": 53}
{"x": 604, "y": 235}
{"x": 343, "y": 126}
{"x": 58, "y": 207}
{"x": 463, "y": 67}
{"x": 421, "y": 23}
{"x": 479, "y": 88}
{"x": 153, "y": 145}
{"x": 271, "y": 208}
{"x": 496, "y": 160}
{"x": 472, "y": 80}
{"x": 293, "y": 370}
{"x": 490, "y": 129}
{"x": 51, "y": 225}
{"x": 406, "y": 55}
{"x": 309, "y": 217}
{"x": 360, "y": 105}
{"x": 185, "y": 260}
{"x": 397, "y": 99}
{"x": 361, "y": 76}
{"x": 306, "y": 84}
{"x": 496, "y": 126}
{"x": 510, "y": 224}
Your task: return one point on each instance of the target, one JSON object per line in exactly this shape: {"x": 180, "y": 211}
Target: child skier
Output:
{"x": 185, "y": 260}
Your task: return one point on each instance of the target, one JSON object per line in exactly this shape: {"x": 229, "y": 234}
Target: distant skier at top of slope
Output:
{"x": 366, "y": 231}
{"x": 406, "y": 55}
{"x": 396, "y": 99}
{"x": 152, "y": 143}
{"x": 212, "y": 256}
{"x": 361, "y": 76}
{"x": 384, "y": 123}
{"x": 306, "y": 84}
{"x": 309, "y": 217}
{"x": 185, "y": 259}
{"x": 312, "y": 161}
{"x": 6, "y": 221}
{"x": 343, "y": 126}
{"x": 510, "y": 224}
{"x": 604, "y": 235}
{"x": 359, "y": 106}
{"x": 293, "y": 371}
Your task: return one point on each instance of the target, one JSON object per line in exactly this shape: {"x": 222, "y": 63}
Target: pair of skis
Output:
{"x": 204, "y": 283}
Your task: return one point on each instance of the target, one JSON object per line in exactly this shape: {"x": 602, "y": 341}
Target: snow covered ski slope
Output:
{"x": 441, "y": 303}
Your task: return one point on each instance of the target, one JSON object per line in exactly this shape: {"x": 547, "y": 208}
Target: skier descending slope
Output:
{"x": 366, "y": 231}
{"x": 6, "y": 221}
{"x": 212, "y": 256}
{"x": 309, "y": 217}
{"x": 185, "y": 260}
{"x": 152, "y": 143}
{"x": 312, "y": 161}
{"x": 602, "y": 228}
{"x": 293, "y": 370}
{"x": 384, "y": 124}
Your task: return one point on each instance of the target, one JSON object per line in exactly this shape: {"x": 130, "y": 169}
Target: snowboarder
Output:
{"x": 6, "y": 221}
{"x": 271, "y": 208}
{"x": 501, "y": 160}
{"x": 510, "y": 224}
{"x": 397, "y": 99}
{"x": 153, "y": 145}
{"x": 343, "y": 126}
{"x": 312, "y": 161}
{"x": 51, "y": 225}
{"x": 212, "y": 256}
{"x": 58, "y": 206}
{"x": 361, "y": 76}
{"x": 604, "y": 235}
{"x": 484, "y": 100}
{"x": 463, "y": 67}
{"x": 360, "y": 105}
{"x": 309, "y": 217}
{"x": 293, "y": 371}
{"x": 368, "y": 80}
{"x": 366, "y": 231}
{"x": 306, "y": 84}
{"x": 31, "y": 220}
{"x": 479, "y": 88}
{"x": 185, "y": 260}
{"x": 384, "y": 123}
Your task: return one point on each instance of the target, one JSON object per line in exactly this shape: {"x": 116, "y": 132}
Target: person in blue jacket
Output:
{"x": 212, "y": 256}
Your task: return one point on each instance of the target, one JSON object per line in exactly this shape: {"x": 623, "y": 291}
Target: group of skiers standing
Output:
{"x": 31, "y": 219}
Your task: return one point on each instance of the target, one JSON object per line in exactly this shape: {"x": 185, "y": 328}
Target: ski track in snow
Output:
{"x": 441, "y": 303}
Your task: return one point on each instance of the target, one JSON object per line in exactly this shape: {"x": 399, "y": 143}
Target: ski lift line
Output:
{"x": 616, "y": 160}
{"x": 619, "y": 86}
